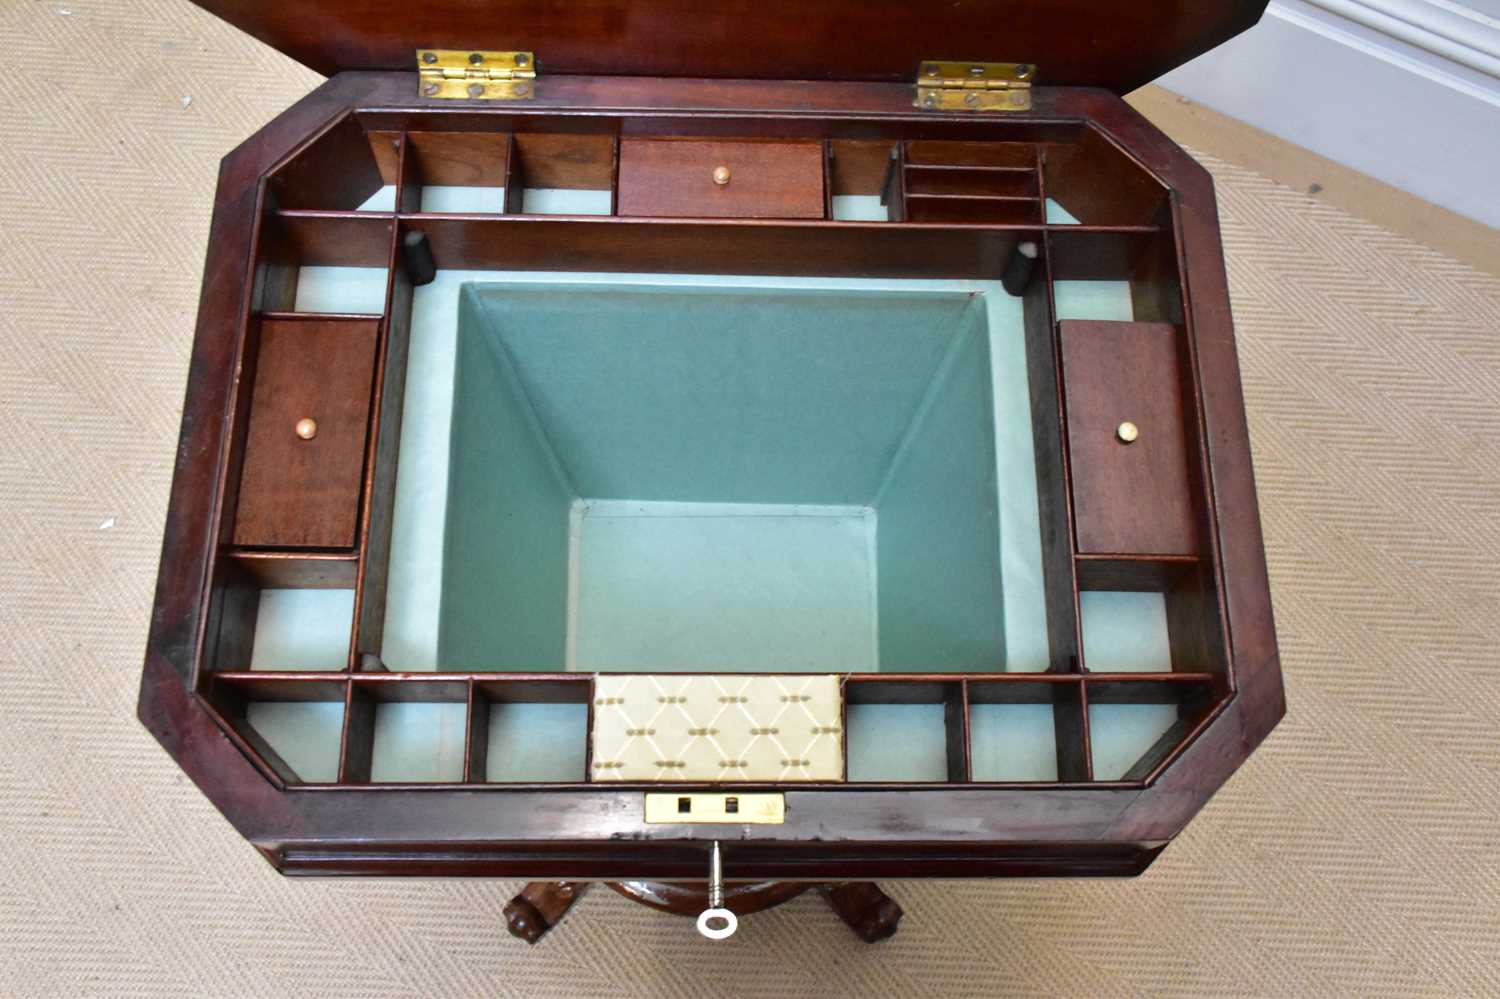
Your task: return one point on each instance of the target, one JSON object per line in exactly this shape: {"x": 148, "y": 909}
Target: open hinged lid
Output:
{"x": 1100, "y": 43}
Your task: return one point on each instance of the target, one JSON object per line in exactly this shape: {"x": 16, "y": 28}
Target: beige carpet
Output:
{"x": 1357, "y": 853}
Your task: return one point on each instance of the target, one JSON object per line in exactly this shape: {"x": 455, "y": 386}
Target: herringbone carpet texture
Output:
{"x": 1358, "y": 853}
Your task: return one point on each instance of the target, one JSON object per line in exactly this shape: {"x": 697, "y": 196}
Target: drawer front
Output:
{"x": 296, "y": 491}
{"x": 1128, "y": 498}
{"x": 711, "y": 179}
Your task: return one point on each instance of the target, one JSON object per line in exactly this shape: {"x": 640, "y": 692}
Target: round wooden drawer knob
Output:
{"x": 1127, "y": 432}
{"x": 307, "y": 428}
{"x": 721, "y": 175}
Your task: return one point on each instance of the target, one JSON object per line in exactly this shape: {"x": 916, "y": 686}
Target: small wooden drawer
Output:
{"x": 300, "y": 483}
{"x": 701, "y": 178}
{"x": 1129, "y": 496}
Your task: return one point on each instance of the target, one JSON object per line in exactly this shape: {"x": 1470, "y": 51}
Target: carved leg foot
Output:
{"x": 540, "y": 906}
{"x": 869, "y": 912}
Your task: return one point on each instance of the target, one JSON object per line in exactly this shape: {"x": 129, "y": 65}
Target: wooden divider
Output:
{"x": 957, "y": 211}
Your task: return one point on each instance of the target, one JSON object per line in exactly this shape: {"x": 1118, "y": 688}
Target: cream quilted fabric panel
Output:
{"x": 717, "y": 728}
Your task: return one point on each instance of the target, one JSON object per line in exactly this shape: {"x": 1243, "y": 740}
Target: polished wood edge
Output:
{"x": 268, "y": 816}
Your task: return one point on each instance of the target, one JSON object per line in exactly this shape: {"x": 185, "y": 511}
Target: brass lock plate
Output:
{"x": 756, "y": 808}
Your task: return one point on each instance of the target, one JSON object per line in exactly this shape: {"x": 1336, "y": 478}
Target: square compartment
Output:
{"x": 294, "y": 724}
{"x": 1134, "y": 724}
{"x": 407, "y": 732}
{"x": 1027, "y": 730}
{"x": 860, "y": 173}
{"x": 417, "y": 742}
{"x": 1125, "y": 632}
{"x": 708, "y": 479}
{"x": 456, "y": 171}
{"x": 1115, "y": 276}
{"x": 561, "y": 174}
{"x": 305, "y": 734}
{"x": 904, "y": 732}
{"x": 530, "y": 731}
{"x": 313, "y": 263}
{"x": 297, "y": 629}
{"x": 1013, "y": 742}
{"x": 347, "y": 290}
{"x": 897, "y": 742}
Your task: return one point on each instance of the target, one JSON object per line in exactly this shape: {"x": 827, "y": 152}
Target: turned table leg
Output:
{"x": 540, "y": 906}
{"x": 869, "y": 912}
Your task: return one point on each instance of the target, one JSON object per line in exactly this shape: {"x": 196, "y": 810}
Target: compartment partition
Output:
{"x": 381, "y": 456}
{"x": 549, "y": 174}
{"x": 337, "y": 170}
{"x": 293, "y": 723}
{"x": 911, "y": 731}
{"x": 859, "y": 179}
{"x": 405, "y": 730}
{"x": 1029, "y": 729}
{"x": 1135, "y": 722}
{"x": 329, "y": 711}
{"x": 971, "y": 183}
{"x": 530, "y": 730}
{"x": 321, "y": 262}
{"x": 455, "y": 172}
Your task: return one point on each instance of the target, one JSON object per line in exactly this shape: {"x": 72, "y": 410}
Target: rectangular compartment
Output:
{"x": 1030, "y": 730}
{"x": 970, "y": 183}
{"x": 1092, "y": 181}
{"x": 1110, "y": 275}
{"x": 322, "y": 264}
{"x": 1148, "y": 614}
{"x": 280, "y": 615}
{"x": 861, "y": 174}
{"x": 715, "y": 479}
{"x": 964, "y": 209}
{"x": 1125, "y": 631}
{"x": 294, "y": 724}
{"x": 1015, "y": 156}
{"x": 299, "y": 485}
{"x": 405, "y": 731}
{"x": 560, "y": 174}
{"x": 905, "y": 732}
{"x": 1134, "y": 724}
{"x": 1127, "y": 449}
{"x": 711, "y": 178}
{"x": 529, "y": 731}
{"x": 341, "y": 169}
{"x": 973, "y": 182}
{"x": 302, "y": 629}
{"x": 455, "y": 171}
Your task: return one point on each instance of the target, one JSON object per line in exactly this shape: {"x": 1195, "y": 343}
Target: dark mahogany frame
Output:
{"x": 597, "y": 831}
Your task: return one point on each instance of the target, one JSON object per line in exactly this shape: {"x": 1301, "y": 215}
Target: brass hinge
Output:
{"x": 974, "y": 86}
{"x": 456, "y": 74}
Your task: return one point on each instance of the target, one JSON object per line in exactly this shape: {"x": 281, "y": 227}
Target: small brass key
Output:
{"x": 716, "y": 922}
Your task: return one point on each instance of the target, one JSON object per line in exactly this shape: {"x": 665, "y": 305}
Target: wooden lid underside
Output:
{"x": 1102, "y": 43}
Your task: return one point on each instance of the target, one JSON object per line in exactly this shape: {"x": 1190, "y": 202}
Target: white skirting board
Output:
{"x": 1407, "y": 91}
